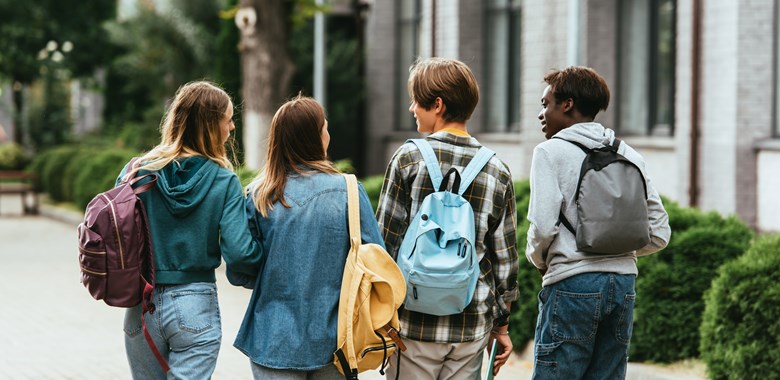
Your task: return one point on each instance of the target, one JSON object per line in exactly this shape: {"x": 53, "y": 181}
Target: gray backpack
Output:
{"x": 611, "y": 199}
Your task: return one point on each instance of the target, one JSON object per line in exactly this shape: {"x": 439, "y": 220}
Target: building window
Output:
{"x": 501, "y": 90}
{"x": 646, "y": 60}
{"x": 409, "y": 19}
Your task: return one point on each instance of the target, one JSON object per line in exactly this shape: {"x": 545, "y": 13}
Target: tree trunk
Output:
{"x": 266, "y": 70}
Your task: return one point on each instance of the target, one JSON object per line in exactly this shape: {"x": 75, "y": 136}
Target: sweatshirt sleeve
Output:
{"x": 660, "y": 232}
{"x": 543, "y": 209}
{"x": 241, "y": 252}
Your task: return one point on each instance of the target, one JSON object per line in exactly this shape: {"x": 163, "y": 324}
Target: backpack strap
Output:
{"x": 615, "y": 144}
{"x": 583, "y": 147}
{"x": 474, "y": 167}
{"x": 431, "y": 162}
{"x": 353, "y": 210}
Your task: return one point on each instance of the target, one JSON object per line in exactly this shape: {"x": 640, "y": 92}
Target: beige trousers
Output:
{"x": 438, "y": 361}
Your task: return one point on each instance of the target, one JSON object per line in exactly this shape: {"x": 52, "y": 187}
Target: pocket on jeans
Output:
{"x": 196, "y": 309}
{"x": 575, "y": 315}
{"x": 625, "y": 326}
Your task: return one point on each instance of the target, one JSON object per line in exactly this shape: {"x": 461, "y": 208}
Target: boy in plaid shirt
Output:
{"x": 444, "y": 93}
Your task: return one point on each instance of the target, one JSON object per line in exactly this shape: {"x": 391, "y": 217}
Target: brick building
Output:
{"x": 695, "y": 84}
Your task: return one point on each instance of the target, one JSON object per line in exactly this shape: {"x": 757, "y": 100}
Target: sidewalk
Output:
{"x": 53, "y": 329}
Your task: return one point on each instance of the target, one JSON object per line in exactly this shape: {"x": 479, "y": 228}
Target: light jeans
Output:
{"x": 584, "y": 327}
{"x": 186, "y": 328}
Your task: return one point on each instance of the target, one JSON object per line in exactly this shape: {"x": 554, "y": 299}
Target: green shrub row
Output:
{"x": 740, "y": 331}
{"x": 671, "y": 283}
{"x": 76, "y": 174}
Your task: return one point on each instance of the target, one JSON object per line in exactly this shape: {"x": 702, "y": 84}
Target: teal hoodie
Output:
{"x": 196, "y": 217}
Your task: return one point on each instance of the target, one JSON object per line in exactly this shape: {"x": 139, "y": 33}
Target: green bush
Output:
{"x": 671, "y": 283}
{"x": 741, "y": 324}
{"x": 99, "y": 174}
{"x": 74, "y": 166}
{"x": 245, "y": 175}
{"x": 373, "y": 186}
{"x": 529, "y": 282}
{"x": 12, "y": 156}
{"x": 53, "y": 171}
{"x": 36, "y": 166}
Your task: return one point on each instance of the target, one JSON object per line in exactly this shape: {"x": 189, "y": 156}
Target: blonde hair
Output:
{"x": 191, "y": 127}
{"x": 294, "y": 144}
{"x": 448, "y": 79}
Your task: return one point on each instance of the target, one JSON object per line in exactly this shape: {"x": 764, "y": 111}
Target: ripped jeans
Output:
{"x": 584, "y": 327}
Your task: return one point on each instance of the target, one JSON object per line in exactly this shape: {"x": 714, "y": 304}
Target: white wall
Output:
{"x": 768, "y": 185}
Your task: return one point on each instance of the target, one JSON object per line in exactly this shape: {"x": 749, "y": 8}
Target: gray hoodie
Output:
{"x": 555, "y": 170}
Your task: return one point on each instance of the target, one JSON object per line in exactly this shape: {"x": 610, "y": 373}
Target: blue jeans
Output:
{"x": 584, "y": 327}
{"x": 186, "y": 328}
{"x": 326, "y": 373}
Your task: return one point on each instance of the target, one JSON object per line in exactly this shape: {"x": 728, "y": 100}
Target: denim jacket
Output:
{"x": 291, "y": 320}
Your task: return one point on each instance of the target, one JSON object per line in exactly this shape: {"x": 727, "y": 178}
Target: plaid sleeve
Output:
{"x": 391, "y": 213}
{"x": 504, "y": 243}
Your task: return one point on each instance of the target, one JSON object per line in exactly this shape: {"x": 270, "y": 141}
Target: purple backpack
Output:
{"x": 115, "y": 249}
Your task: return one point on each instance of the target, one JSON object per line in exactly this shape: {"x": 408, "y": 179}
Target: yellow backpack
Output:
{"x": 372, "y": 290}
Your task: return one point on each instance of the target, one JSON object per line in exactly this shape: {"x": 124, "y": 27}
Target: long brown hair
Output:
{"x": 191, "y": 127}
{"x": 294, "y": 144}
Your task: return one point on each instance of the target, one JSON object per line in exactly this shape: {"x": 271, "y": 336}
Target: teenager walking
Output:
{"x": 587, "y": 301}
{"x": 196, "y": 218}
{"x": 444, "y": 93}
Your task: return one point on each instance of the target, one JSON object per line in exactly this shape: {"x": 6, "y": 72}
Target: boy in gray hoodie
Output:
{"x": 587, "y": 300}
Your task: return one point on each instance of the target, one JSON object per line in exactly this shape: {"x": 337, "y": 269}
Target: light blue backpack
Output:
{"x": 437, "y": 256}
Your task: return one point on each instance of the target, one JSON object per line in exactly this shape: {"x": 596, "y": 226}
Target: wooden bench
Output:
{"x": 22, "y": 184}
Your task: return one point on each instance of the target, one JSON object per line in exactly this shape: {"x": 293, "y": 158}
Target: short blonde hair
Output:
{"x": 448, "y": 79}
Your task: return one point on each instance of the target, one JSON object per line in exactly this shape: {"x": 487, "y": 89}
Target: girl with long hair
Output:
{"x": 299, "y": 210}
{"x": 196, "y": 218}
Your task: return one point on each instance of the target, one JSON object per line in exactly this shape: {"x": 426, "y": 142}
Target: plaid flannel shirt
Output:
{"x": 492, "y": 198}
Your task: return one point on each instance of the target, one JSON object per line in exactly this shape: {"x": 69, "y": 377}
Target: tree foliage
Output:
{"x": 27, "y": 28}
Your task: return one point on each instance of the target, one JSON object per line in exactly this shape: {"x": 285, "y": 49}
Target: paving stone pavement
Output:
{"x": 52, "y": 328}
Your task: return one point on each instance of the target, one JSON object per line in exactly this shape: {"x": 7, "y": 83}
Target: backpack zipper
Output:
{"x": 414, "y": 290}
{"x": 93, "y": 252}
{"x": 116, "y": 227}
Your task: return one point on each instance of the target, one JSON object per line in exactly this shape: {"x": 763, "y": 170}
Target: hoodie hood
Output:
{"x": 591, "y": 135}
{"x": 185, "y": 182}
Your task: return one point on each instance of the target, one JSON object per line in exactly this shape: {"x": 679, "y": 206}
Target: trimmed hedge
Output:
{"x": 99, "y": 175}
{"x": 740, "y": 331}
{"x": 52, "y": 171}
{"x": 671, "y": 283}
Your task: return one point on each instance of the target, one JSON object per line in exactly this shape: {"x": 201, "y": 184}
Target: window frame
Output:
{"x": 512, "y": 10}
{"x": 651, "y": 37}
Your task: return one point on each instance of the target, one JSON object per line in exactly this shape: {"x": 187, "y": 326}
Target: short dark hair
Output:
{"x": 583, "y": 85}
